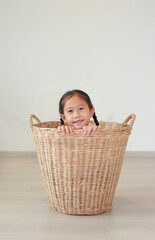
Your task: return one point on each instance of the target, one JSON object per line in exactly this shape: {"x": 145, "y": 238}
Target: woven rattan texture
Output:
{"x": 81, "y": 173}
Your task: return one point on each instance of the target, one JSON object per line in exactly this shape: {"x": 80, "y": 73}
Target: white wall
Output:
{"x": 103, "y": 47}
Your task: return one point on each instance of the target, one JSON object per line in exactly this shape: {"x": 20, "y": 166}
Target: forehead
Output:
{"x": 74, "y": 101}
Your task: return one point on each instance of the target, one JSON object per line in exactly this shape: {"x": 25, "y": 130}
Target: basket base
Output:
{"x": 81, "y": 212}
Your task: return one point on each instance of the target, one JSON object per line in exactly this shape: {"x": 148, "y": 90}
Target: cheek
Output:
{"x": 68, "y": 117}
{"x": 87, "y": 116}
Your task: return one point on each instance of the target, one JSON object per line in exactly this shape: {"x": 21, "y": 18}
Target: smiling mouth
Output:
{"x": 78, "y": 122}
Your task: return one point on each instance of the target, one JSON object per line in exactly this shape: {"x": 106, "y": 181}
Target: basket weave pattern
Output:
{"x": 81, "y": 173}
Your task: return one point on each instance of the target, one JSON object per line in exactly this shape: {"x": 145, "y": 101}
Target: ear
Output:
{"x": 92, "y": 112}
{"x": 63, "y": 117}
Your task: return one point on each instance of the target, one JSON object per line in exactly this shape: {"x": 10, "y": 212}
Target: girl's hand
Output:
{"x": 91, "y": 129}
{"x": 66, "y": 130}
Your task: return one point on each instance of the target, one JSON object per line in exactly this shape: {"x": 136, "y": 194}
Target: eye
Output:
{"x": 81, "y": 108}
{"x": 70, "y": 111}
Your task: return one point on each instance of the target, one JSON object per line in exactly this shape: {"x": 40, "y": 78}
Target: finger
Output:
{"x": 63, "y": 129}
{"x": 85, "y": 128}
{"x": 89, "y": 130}
{"x": 94, "y": 130}
{"x": 98, "y": 127}
{"x": 67, "y": 129}
{"x": 59, "y": 128}
{"x": 71, "y": 130}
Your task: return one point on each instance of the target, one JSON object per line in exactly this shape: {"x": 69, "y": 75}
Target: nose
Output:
{"x": 76, "y": 113}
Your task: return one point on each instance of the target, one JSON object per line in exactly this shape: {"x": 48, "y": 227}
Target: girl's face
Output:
{"x": 76, "y": 112}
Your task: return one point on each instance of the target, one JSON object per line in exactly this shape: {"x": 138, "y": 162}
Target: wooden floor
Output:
{"x": 26, "y": 214}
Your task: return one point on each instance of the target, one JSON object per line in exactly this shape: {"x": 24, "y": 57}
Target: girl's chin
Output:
{"x": 78, "y": 128}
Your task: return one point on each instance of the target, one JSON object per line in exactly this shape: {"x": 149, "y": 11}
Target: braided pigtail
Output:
{"x": 62, "y": 121}
{"x": 95, "y": 119}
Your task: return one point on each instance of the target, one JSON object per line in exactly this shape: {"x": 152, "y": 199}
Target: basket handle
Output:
{"x": 132, "y": 118}
{"x": 32, "y": 116}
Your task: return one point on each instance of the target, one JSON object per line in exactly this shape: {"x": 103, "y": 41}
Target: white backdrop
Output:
{"x": 104, "y": 47}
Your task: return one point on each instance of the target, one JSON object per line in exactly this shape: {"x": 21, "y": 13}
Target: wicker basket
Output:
{"x": 81, "y": 173}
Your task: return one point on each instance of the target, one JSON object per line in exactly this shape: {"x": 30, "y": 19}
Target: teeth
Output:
{"x": 78, "y": 121}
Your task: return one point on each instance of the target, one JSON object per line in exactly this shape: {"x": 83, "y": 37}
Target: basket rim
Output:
{"x": 121, "y": 127}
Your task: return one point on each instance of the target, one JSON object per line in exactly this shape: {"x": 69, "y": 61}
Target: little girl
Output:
{"x": 76, "y": 109}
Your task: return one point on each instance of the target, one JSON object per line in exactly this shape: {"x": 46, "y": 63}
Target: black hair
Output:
{"x": 81, "y": 94}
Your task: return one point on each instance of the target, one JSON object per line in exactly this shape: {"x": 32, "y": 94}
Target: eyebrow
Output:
{"x": 81, "y": 105}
